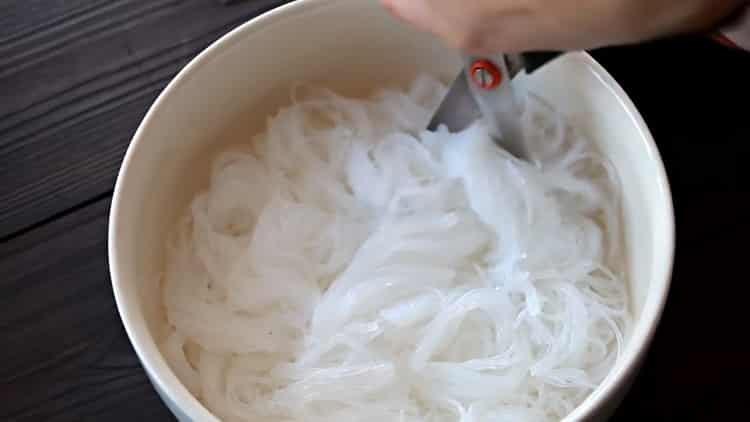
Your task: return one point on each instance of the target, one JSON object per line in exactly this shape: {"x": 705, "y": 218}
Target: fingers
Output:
{"x": 425, "y": 15}
{"x": 443, "y": 18}
{"x": 485, "y": 27}
{"x": 510, "y": 26}
{"x": 414, "y": 12}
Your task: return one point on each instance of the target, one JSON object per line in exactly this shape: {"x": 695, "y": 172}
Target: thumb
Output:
{"x": 414, "y": 12}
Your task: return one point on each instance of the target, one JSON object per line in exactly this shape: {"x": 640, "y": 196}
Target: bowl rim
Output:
{"x": 172, "y": 390}
{"x": 643, "y": 332}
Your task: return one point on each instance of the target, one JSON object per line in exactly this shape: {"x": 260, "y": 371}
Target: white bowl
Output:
{"x": 352, "y": 46}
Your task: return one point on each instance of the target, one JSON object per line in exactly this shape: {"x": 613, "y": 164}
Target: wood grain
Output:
{"x": 64, "y": 353}
{"x": 76, "y": 85}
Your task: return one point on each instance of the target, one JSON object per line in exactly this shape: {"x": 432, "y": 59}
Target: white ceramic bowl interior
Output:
{"x": 353, "y": 46}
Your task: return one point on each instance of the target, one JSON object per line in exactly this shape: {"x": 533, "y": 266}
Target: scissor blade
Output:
{"x": 500, "y": 108}
{"x": 501, "y": 111}
{"x": 459, "y": 109}
{"x": 465, "y": 104}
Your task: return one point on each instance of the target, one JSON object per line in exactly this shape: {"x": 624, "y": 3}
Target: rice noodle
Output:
{"x": 346, "y": 266}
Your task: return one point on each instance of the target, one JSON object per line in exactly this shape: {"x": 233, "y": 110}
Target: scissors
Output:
{"x": 484, "y": 89}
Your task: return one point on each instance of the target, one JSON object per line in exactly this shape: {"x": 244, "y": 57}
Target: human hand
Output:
{"x": 511, "y": 26}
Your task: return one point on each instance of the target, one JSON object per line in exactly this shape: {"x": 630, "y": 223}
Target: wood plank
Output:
{"x": 697, "y": 364}
{"x": 77, "y": 84}
{"x": 693, "y": 94}
{"x": 19, "y": 18}
{"x": 65, "y": 355}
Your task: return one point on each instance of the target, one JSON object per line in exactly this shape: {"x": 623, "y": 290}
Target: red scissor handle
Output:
{"x": 485, "y": 74}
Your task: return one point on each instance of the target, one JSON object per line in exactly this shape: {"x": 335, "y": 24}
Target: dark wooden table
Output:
{"x": 76, "y": 77}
